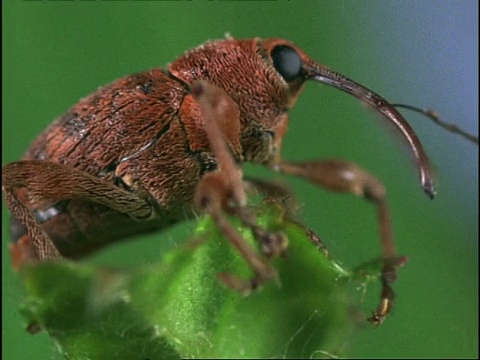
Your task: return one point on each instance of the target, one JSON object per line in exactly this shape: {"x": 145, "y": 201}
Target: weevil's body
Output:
{"x": 145, "y": 131}
{"x": 136, "y": 155}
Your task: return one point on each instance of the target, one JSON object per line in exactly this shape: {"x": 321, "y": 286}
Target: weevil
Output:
{"x": 143, "y": 152}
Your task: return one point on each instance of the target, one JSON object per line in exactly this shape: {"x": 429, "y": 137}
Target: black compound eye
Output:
{"x": 287, "y": 62}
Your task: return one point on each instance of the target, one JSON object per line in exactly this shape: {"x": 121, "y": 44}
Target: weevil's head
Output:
{"x": 262, "y": 80}
{"x": 265, "y": 78}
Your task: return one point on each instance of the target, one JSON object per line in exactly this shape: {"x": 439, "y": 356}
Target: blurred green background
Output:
{"x": 417, "y": 52}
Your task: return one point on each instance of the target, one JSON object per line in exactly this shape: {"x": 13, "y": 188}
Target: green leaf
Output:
{"x": 177, "y": 308}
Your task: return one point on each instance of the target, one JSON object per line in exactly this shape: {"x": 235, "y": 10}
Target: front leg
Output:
{"x": 346, "y": 177}
{"x": 222, "y": 192}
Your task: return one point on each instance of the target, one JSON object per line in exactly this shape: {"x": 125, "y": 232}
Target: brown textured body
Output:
{"x": 144, "y": 131}
{"x": 132, "y": 130}
{"x": 138, "y": 154}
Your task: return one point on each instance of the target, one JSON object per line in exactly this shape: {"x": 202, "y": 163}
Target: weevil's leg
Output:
{"x": 275, "y": 192}
{"x": 213, "y": 196}
{"x": 314, "y": 238}
{"x": 278, "y": 191}
{"x": 343, "y": 176}
{"x": 223, "y": 191}
{"x": 271, "y": 243}
{"x": 44, "y": 183}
